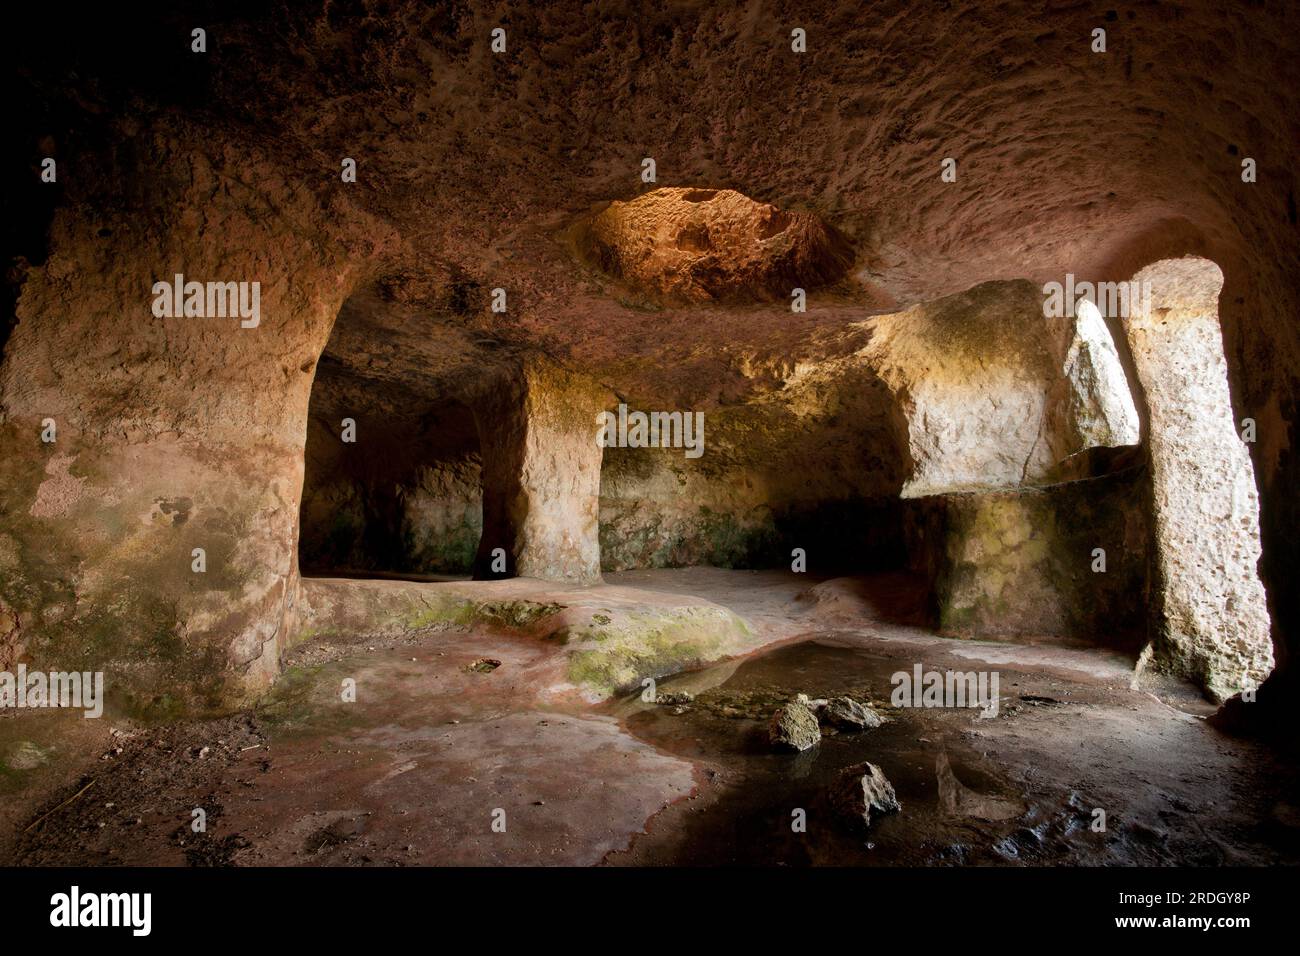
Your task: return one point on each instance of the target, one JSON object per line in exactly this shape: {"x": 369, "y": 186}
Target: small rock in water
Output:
{"x": 845, "y": 713}
{"x": 794, "y": 727}
{"x": 675, "y": 698}
{"x": 861, "y": 793}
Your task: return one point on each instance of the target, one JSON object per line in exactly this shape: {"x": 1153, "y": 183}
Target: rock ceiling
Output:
{"x": 473, "y": 167}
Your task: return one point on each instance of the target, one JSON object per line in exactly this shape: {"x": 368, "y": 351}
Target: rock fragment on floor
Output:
{"x": 845, "y": 713}
{"x": 861, "y": 794}
{"x": 794, "y": 727}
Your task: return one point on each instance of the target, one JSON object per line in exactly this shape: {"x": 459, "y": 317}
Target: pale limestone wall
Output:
{"x": 660, "y": 510}
{"x": 1212, "y": 617}
{"x": 818, "y": 467}
{"x": 442, "y": 517}
{"x": 1022, "y": 564}
{"x": 975, "y": 392}
{"x": 996, "y": 394}
{"x": 1102, "y": 411}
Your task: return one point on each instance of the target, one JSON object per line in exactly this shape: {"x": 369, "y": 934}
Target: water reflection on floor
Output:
{"x": 973, "y": 791}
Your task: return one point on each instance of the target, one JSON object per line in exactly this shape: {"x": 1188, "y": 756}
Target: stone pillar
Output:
{"x": 541, "y": 476}
{"x": 1212, "y": 621}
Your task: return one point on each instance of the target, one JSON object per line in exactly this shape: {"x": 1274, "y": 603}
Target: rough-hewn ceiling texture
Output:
{"x": 475, "y": 171}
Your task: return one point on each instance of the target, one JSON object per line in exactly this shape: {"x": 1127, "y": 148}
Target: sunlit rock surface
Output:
{"x": 1212, "y": 615}
{"x": 712, "y": 245}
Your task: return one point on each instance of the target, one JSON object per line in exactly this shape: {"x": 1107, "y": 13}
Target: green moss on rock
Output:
{"x": 613, "y": 658}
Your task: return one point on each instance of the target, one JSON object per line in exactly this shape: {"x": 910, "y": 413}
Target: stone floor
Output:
{"x": 469, "y": 743}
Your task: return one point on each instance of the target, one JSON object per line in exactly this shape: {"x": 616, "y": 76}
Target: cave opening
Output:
{"x": 407, "y": 502}
{"x": 392, "y": 480}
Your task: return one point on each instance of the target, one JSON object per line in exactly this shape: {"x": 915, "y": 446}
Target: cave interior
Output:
{"x": 606, "y": 392}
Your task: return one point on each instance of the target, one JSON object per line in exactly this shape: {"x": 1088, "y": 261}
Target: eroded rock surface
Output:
{"x": 862, "y": 794}
{"x": 469, "y": 179}
{"x": 995, "y": 394}
{"x": 1213, "y": 620}
{"x": 712, "y": 244}
{"x": 613, "y": 638}
{"x": 1067, "y": 560}
{"x": 794, "y": 727}
{"x": 845, "y": 713}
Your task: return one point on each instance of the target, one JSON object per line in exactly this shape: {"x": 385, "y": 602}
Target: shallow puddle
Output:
{"x": 958, "y": 805}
